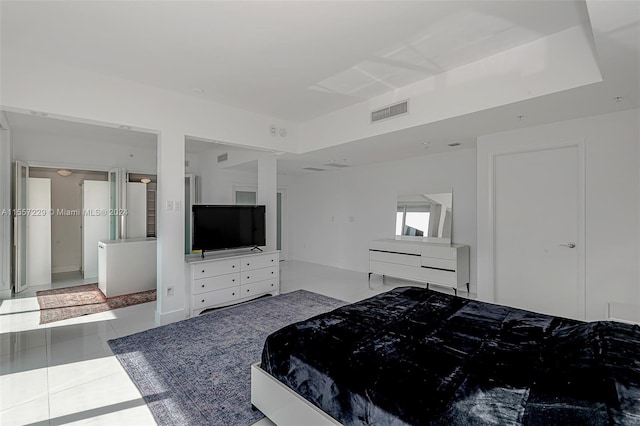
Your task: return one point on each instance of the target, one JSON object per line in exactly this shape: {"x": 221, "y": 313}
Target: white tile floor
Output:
{"x": 65, "y": 373}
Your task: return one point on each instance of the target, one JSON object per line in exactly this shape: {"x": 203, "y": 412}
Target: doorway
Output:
{"x": 68, "y": 223}
{"x": 538, "y": 235}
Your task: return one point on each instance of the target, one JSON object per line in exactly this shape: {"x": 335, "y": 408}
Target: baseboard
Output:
{"x": 59, "y": 269}
{"x": 169, "y": 317}
{"x": 5, "y": 294}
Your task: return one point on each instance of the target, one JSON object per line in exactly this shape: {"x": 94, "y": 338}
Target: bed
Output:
{"x": 420, "y": 357}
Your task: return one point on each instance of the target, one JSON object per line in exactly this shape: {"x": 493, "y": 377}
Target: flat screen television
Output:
{"x": 223, "y": 227}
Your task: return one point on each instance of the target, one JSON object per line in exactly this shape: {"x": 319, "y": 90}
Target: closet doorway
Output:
{"x": 70, "y": 219}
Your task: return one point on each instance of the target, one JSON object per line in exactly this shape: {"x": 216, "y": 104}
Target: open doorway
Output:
{"x": 70, "y": 223}
{"x": 42, "y": 148}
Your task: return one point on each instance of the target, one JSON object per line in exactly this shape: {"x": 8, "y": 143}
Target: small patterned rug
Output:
{"x": 198, "y": 371}
{"x": 71, "y": 302}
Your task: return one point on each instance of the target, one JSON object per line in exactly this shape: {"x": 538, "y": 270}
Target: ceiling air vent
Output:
{"x": 390, "y": 111}
{"x": 223, "y": 157}
{"x": 336, "y": 165}
{"x": 315, "y": 169}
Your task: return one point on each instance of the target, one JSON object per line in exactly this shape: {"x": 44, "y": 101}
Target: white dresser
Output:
{"x": 429, "y": 263}
{"x": 222, "y": 279}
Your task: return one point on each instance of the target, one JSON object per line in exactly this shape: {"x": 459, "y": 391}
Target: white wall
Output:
{"x": 334, "y": 214}
{"x": 216, "y": 182}
{"x": 66, "y": 232}
{"x": 612, "y": 202}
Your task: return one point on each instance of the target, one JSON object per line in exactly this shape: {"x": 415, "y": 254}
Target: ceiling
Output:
{"x": 301, "y": 60}
{"x": 289, "y": 60}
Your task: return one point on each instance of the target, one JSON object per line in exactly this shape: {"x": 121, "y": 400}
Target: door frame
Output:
{"x": 20, "y": 255}
{"x": 490, "y": 255}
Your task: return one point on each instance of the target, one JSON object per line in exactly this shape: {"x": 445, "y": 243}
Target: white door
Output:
{"x": 21, "y": 175}
{"x": 39, "y": 231}
{"x": 95, "y": 223}
{"x": 539, "y": 230}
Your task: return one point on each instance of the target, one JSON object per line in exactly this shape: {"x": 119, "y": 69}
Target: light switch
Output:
{"x": 169, "y": 205}
{"x": 178, "y": 206}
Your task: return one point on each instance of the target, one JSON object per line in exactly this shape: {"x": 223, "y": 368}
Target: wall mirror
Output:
{"x": 425, "y": 217}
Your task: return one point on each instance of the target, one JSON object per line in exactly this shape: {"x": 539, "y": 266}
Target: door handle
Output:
{"x": 570, "y": 245}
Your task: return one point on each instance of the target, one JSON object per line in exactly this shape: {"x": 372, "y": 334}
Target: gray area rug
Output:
{"x": 197, "y": 371}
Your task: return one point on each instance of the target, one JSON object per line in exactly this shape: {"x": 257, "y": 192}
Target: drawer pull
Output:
{"x": 248, "y": 277}
{"x": 202, "y": 285}
{"x": 271, "y": 285}
{"x": 247, "y": 290}
{"x": 272, "y": 260}
{"x": 247, "y": 264}
{"x": 203, "y": 271}
{"x": 233, "y": 280}
{"x": 202, "y": 300}
{"x": 233, "y": 266}
{"x": 271, "y": 272}
{"x": 233, "y": 294}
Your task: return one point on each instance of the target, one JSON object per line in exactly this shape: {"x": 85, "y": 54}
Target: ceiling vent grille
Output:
{"x": 223, "y": 157}
{"x": 336, "y": 165}
{"x": 390, "y": 111}
{"x": 314, "y": 169}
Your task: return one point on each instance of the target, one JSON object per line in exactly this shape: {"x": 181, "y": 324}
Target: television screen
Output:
{"x": 218, "y": 227}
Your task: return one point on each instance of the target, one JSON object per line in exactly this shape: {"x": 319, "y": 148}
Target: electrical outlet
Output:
{"x": 169, "y": 291}
{"x": 178, "y": 206}
{"x": 169, "y": 205}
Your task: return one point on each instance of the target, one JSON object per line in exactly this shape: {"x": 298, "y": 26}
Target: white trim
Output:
{"x": 580, "y": 144}
{"x": 281, "y": 404}
{"x": 169, "y": 317}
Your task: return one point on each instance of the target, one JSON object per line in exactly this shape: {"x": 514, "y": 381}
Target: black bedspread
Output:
{"x": 414, "y": 356}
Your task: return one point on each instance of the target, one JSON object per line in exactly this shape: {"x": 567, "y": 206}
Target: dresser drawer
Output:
{"x": 402, "y": 259}
{"x": 204, "y": 285}
{"x": 252, "y": 276}
{"x": 438, "y": 276}
{"x": 250, "y": 263}
{"x": 215, "y": 297}
{"x": 262, "y": 287}
{"x": 440, "y": 252}
{"x": 434, "y": 262}
{"x": 219, "y": 267}
{"x": 396, "y": 246}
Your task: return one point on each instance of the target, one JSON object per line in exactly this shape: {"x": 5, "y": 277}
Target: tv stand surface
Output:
{"x": 230, "y": 277}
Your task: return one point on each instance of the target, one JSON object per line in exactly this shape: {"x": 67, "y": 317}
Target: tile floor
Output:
{"x": 65, "y": 373}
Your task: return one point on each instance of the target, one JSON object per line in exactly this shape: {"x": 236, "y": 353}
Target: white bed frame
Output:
{"x": 281, "y": 404}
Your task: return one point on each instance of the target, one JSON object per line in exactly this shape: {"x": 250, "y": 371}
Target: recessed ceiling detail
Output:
{"x": 337, "y": 165}
{"x": 314, "y": 169}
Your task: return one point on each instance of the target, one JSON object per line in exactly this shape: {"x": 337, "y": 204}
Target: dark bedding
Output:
{"x": 414, "y": 356}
